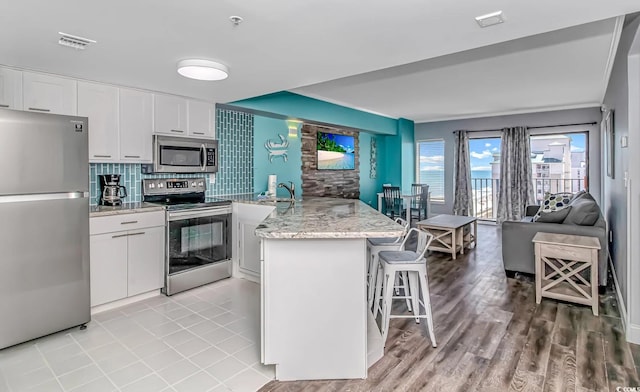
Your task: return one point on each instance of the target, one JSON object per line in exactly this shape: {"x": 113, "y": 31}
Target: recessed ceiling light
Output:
{"x": 491, "y": 19}
{"x": 73, "y": 41}
{"x": 236, "y": 20}
{"x": 202, "y": 69}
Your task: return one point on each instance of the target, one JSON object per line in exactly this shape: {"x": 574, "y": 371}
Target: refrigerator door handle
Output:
{"x": 43, "y": 197}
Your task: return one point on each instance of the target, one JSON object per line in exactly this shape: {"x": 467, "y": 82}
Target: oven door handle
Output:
{"x": 198, "y": 213}
{"x": 203, "y": 157}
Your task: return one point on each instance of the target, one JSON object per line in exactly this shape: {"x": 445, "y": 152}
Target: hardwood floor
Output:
{"x": 492, "y": 337}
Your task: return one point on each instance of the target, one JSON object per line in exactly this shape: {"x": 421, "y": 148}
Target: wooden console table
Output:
{"x": 560, "y": 259}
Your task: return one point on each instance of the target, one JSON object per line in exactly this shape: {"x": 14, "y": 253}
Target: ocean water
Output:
{"x": 433, "y": 177}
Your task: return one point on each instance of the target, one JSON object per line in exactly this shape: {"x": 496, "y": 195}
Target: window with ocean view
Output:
{"x": 430, "y": 167}
{"x": 559, "y": 163}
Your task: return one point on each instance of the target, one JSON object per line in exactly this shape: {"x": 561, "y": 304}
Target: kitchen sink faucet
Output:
{"x": 291, "y": 188}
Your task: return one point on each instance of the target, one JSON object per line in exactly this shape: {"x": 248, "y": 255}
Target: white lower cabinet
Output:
{"x": 108, "y": 268}
{"x": 248, "y": 217}
{"x": 127, "y": 262}
{"x": 146, "y": 248}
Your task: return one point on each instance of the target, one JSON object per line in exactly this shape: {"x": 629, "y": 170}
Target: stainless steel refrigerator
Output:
{"x": 44, "y": 225}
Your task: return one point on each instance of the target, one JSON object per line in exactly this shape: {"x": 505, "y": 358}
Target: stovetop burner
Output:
{"x": 179, "y": 193}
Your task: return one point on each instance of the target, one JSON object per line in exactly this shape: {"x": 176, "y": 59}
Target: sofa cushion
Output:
{"x": 578, "y": 195}
{"x": 553, "y": 202}
{"x": 584, "y": 211}
{"x": 557, "y": 216}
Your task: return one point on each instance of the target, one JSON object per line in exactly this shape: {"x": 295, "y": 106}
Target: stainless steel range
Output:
{"x": 198, "y": 232}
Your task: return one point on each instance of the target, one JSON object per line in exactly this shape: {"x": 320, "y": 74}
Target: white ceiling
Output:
{"x": 286, "y": 44}
{"x": 561, "y": 69}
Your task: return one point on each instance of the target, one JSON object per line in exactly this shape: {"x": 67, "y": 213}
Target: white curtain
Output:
{"x": 516, "y": 182}
{"x": 462, "y": 204}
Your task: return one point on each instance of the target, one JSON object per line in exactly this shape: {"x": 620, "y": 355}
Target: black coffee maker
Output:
{"x": 110, "y": 188}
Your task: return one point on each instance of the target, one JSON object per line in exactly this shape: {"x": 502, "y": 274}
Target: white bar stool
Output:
{"x": 374, "y": 246}
{"x": 400, "y": 261}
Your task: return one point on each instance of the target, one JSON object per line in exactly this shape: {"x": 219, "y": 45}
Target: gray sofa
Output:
{"x": 517, "y": 248}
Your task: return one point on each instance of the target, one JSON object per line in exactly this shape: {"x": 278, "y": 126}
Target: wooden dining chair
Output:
{"x": 419, "y": 204}
{"x": 392, "y": 200}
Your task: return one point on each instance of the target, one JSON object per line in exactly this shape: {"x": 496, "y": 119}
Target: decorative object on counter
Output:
{"x": 373, "y": 173}
{"x": 277, "y": 149}
{"x": 110, "y": 188}
{"x": 271, "y": 185}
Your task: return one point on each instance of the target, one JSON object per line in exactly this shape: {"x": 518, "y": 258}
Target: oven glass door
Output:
{"x": 196, "y": 242}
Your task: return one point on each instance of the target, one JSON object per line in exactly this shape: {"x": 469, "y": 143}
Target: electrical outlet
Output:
{"x": 624, "y": 141}
{"x": 212, "y": 178}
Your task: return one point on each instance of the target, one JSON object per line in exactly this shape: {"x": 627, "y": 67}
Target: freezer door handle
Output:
{"x": 43, "y": 197}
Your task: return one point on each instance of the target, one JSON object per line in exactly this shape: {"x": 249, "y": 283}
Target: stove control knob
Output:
{"x": 193, "y": 184}
{"x": 160, "y": 185}
{"x": 152, "y": 185}
{"x": 201, "y": 183}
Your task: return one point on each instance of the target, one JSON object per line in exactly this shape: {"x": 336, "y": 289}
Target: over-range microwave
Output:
{"x": 183, "y": 155}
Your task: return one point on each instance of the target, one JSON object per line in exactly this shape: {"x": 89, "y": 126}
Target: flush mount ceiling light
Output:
{"x": 202, "y": 69}
{"x": 491, "y": 19}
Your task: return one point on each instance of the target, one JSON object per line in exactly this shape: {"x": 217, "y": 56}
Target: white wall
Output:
{"x": 444, "y": 130}
{"x": 621, "y": 202}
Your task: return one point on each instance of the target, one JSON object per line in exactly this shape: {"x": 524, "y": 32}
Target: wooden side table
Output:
{"x": 560, "y": 259}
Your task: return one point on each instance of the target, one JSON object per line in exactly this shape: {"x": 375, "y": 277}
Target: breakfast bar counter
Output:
{"x": 315, "y": 323}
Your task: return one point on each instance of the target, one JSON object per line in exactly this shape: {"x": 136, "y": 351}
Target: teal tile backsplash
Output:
{"x": 235, "y": 173}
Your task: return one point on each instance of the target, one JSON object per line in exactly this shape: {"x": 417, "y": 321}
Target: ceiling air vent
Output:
{"x": 73, "y": 41}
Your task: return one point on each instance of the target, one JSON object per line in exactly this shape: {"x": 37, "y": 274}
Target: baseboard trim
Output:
{"x": 125, "y": 301}
{"x": 621, "y": 304}
{"x": 633, "y": 333}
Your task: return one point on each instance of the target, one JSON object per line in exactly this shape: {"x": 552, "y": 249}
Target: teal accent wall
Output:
{"x": 268, "y": 129}
{"x": 293, "y": 105}
{"x": 368, "y": 186}
{"x": 407, "y": 153}
{"x": 394, "y": 137}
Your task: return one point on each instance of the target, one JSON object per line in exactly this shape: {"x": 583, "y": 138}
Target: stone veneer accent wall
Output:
{"x": 332, "y": 183}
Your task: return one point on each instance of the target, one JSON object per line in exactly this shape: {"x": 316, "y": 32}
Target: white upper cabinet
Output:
{"x": 202, "y": 117}
{"x": 99, "y": 103}
{"x": 170, "y": 115}
{"x": 10, "y": 89}
{"x": 136, "y": 126}
{"x": 49, "y": 94}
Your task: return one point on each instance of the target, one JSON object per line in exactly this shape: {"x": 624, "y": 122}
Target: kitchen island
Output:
{"x": 315, "y": 323}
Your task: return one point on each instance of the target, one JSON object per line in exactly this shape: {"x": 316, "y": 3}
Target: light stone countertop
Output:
{"x": 252, "y": 198}
{"x": 125, "y": 208}
{"x": 321, "y": 217}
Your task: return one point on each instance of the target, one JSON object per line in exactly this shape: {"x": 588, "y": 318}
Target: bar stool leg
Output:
{"x": 415, "y": 290}
{"x": 426, "y": 300}
{"x": 387, "y": 302}
{"x": 378, "y": 292}
{"x": 373, "y": 274}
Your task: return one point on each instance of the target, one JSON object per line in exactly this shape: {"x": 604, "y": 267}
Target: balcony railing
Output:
{"x": 485, "y": 192}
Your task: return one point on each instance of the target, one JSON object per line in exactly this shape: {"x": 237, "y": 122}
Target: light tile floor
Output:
{"x": 205, "y": 339}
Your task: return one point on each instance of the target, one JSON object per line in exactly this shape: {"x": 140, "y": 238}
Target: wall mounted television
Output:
{"x": 335, "y": 152}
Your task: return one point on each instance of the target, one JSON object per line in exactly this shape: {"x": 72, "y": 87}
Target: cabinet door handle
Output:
{"x": 119, "y": 235}
{"x": 101, "y": 156}
{"x": 4, "y": 106}
{"x": 132, "y": 156}
{"x": 198, "y": 133}
{"x": 177, "y": 131}
{"x": 128, "y": 222}
{"x": 139, "y": 233}
{"x": 40, "y": 109}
